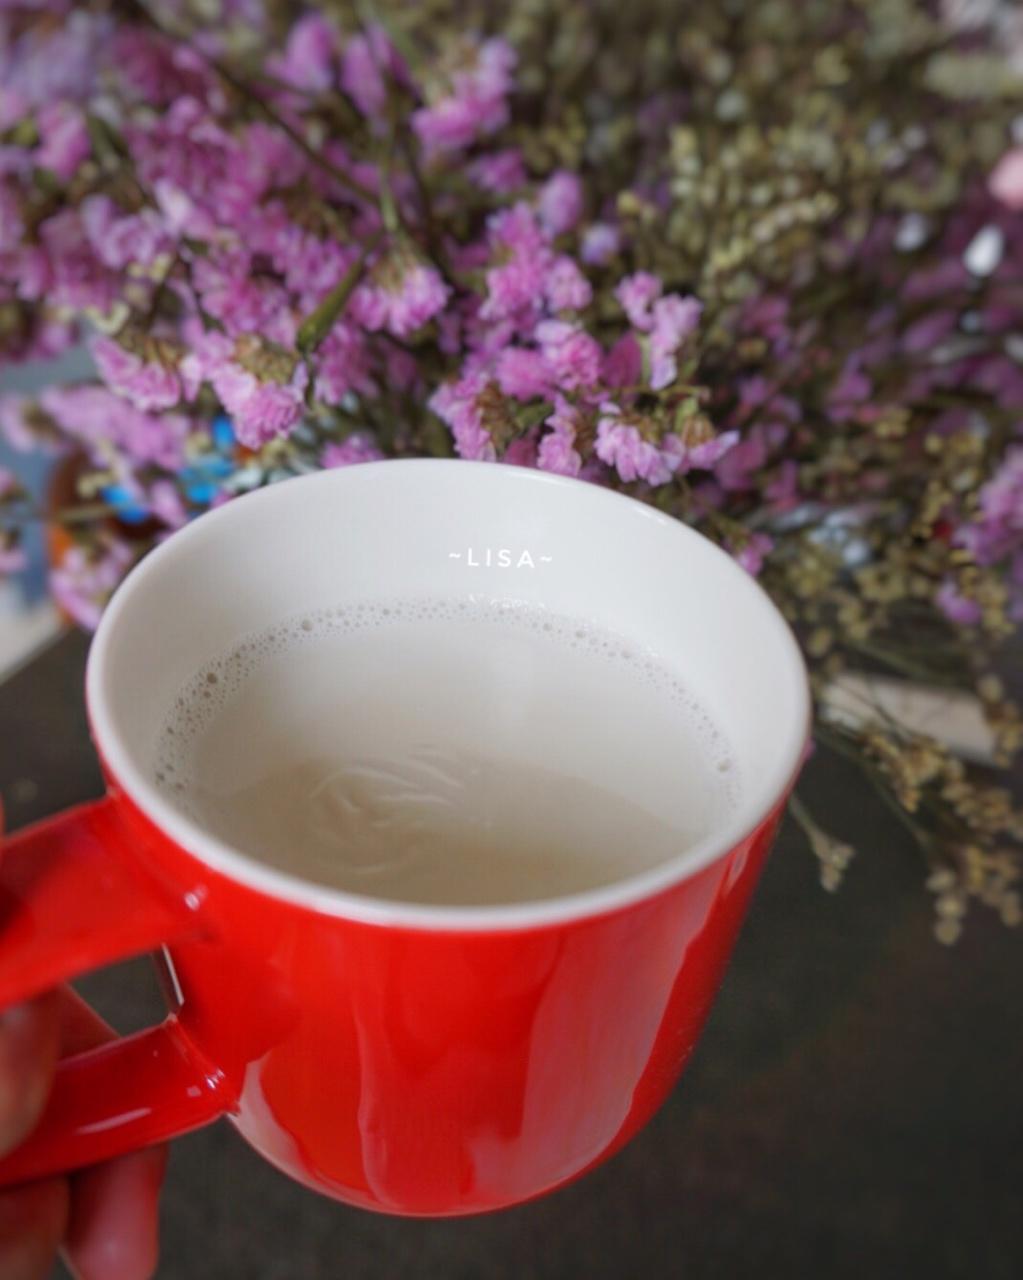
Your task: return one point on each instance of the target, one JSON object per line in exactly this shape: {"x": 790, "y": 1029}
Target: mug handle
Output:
{"x": 72, "y": 898}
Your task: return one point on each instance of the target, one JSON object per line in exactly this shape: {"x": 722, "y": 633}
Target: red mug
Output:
{"x": 423, "y": 1060}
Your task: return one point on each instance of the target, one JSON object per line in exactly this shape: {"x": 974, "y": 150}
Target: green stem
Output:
{"x": 385, "y": 158}
{"x": 803, "y": 817}
{"x": 433, "y": 238}
{"x": 398, "y": 134}
{"x": 899, "y": 662}
{"x": 315, "y": 327}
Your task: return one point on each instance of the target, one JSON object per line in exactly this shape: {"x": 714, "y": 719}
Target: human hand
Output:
{"x": 104, "y": 1219}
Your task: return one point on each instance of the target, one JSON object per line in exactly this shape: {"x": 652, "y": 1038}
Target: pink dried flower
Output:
{"x": 515, "y": 286}
{"x": 521, "y": 452}
{"x": 477, "y": 104}
{"x": 516, "y": 230}
{"x": 566, "y": 288}
{"x": 674, "y": 319}
{"x": 929, "y": 331}
{"x": 998, "y": 530}
{"x": 699, "y": 457}
{"x": 1006, "y": 180}
{"x": 572, "y": 355}
{"x": 185, "y": 158}
{"x": 119, "y": 241}
{"x": 51, "y": 61}
{"x": 13, "y": 107}
{"x": 499, "y": 172}
{"x": 166, "y": 504}
{"x": 210, "y": 352}
{"x": 557, "y": 450}
{"x": 35, "y": 273}
{"x": 457, "y": 404}
{"x": 64, "y": 269}
{"x": 343, "y": 364}
{"x": 637, "y": 293}
{"x": 560, "y": 204}
{"x": 311, "y": 266}
{"x": 851, "y": 388}
{"x": 258, "y": 159}
{"x": 270, "y": 409}
{"x": 242, "y": 303}
{"x": 402, "y": 300}
{"x": 260, "y": 410}
{"x": 309, "y": 55}
{"x": 621, "y": 446}
{"x": 82, "y": 583}
{"x": 600, "y": 242}
{"x": 156, "y": 70}
{"x": 750, "y": 556}
{"x": 147, "y": 384}
{"x": 63, "y": 139}
{"x": 738, "y": 468}
{"x": 783, "y": 490}
{"x": 368, "y": 61}
{"x": 957, "y": 608}
{"x": 358, "y": 447}
{"x": 556, "y": 454}
{"x": 101, "y": 420}
{"x": 523, "y": 373}
{"x": 623, "y": 364}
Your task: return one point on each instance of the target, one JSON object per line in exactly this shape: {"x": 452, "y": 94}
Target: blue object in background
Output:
{"x": 223, "y": 433}
{"x": 201, "y": 478}
{"x": 125, "y": 506}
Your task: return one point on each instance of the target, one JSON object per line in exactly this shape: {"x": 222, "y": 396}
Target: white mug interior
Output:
{"x": 445, "y": 528}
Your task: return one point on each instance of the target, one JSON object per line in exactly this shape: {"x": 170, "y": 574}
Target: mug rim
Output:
{"x": 233, "y": 863}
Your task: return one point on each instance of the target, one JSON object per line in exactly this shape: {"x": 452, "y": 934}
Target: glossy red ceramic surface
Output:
{"x": 411, "y": 1071}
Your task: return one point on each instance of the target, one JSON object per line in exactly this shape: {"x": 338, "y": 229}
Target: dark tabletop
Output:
{"x": 854, "y": 1109}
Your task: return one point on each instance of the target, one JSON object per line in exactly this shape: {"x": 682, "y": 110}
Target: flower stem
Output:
{"x": 843, "y": 746}
{"x": 315, "y": 327}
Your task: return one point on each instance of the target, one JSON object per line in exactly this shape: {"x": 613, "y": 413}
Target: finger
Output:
{"x": 113, "y": 1228}
{"x": 29, "y": 1042}
{"x": 112, "y": 1231}
{"x": 32, "y": 1037}
{"x": 32, "y": 1221}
